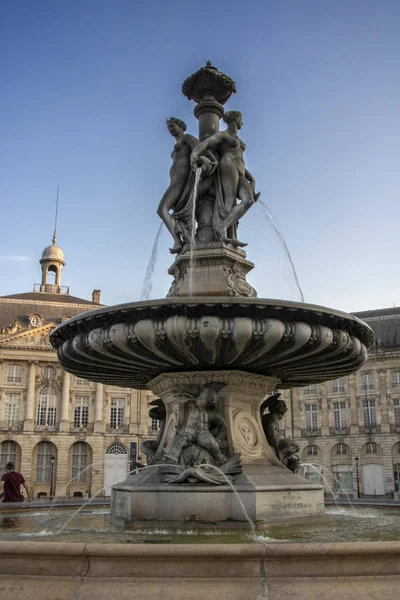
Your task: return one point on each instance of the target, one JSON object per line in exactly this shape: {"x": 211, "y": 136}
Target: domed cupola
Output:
{"x": 52, "y": 261}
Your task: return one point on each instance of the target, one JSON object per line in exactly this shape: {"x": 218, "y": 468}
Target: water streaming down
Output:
{"x": 330, "y": 489}
{"x": 148, "y": 279}
{"x": 271, "y": 220}
{"x": 135, "y": 470}
{"x": 197, "y": 178}
{"x": 238, "y": 498}
{"x": 95, "y": 464}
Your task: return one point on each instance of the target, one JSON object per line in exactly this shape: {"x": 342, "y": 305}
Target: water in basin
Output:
{"x": 92, "y": 525}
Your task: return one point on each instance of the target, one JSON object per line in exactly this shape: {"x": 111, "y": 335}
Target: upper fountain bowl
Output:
{"x": 130, "y": 344}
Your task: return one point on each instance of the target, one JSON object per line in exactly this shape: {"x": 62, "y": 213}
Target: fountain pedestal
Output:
{"x": 215, "y": 269}
{"x": 266, "y": 488}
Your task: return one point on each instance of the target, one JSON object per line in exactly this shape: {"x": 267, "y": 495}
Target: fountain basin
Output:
{"x": 130, "y": 344}
{"x": 193, "y": 572}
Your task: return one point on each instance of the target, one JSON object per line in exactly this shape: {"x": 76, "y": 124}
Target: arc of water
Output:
{"x": 238, "y": 498}
{"x": 272, "y": 221}
{"x": 99, "y": 492}
{"x": 331, "y": 490}
{"x": 148, "y": 279}
{"x": 101, "y": 462}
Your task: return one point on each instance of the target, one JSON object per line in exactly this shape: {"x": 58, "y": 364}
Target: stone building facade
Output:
{"x": 349, "y": 429}
{"x": 53, "y": 425}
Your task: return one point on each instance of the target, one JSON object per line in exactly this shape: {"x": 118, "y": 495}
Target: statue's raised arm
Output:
{"x": 237, "y": 182}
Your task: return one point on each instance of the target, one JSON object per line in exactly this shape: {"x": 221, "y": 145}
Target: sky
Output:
{"x": 86, "y": 88}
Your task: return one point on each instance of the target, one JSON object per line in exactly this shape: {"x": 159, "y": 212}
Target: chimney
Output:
{"x": 96, "y": 296}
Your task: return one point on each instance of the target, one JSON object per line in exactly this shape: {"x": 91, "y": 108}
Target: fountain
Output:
{"x": 212, "y": 350}
{"x": 213, "y": 353}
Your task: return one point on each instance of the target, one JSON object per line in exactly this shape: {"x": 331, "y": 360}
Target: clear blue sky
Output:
{"x": 87, "y": 86}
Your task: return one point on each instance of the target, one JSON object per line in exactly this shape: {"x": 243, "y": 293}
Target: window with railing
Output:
{"x": 14, "y": 374}
{"x": 47, "y": 407}
{"x": 117, "y": 412}
{"x": 12, "y": 404}
{"x": 310, "y": 390}
{"x": 80, "y": 453}
{"x": 81, "y": 411}
{"x": 338, "y": 385}
{"x": 396, "y": 407}
{"x": 395, "y": 378}
{"x": 369, "y": 413}
{"x": 367, "y": 381}
{"x": 340, "y": 416}
{"x": 311, "y": 411}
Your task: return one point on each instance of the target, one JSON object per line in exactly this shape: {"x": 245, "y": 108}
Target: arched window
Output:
{"x": 8, "y": 453}
{"x": 116, "y": 448}
{"x": 47, "y": 406}
{"x": 312, "y": 450}
{"x": 80, "y": 456}
{"x": 371, "y": 448}
{"x": 44, "y": 462}
{"x": 52, "y": 275}
{"x": 341, "y": 450}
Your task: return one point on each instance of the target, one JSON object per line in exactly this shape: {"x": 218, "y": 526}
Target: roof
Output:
{"x": 52, "y": 308}
{"x": 48, "y": 297}
{"x": 385, "y": 323}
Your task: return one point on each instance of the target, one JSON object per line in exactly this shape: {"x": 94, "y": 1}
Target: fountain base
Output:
{"x": 267, "y": 493}
{"x": 265, "y": 487}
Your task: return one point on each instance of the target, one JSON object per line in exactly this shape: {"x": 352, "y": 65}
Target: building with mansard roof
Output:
{"x": 349, "y": 429}
{"x": 53, "y": 425}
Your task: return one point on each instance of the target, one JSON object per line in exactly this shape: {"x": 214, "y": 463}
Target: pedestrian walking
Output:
{"x": 11, "y": 483}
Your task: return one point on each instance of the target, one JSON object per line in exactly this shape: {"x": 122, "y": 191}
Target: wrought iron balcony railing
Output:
{"x": 16, "y": 426}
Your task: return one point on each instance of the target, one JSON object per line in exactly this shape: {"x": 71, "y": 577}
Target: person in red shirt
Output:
{"x": 11, "y": 485}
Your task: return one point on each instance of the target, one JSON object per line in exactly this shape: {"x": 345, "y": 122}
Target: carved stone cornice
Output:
{"x": 131, "y": 345}
{"x": 239, "y": 379}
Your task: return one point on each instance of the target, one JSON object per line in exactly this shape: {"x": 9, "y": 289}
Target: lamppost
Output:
{"x": 356, "y": 459}
{"x": 52, "y": 459}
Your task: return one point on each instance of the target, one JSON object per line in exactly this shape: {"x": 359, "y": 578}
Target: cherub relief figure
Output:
{"x": 202, "y": 415}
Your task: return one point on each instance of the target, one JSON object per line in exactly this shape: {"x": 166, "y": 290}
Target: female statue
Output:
{"x": 179, "y": 176}
{"x": 236, "y": 181}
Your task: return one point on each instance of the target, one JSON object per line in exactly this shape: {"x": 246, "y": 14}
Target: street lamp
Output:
{"x": 52, "y": 459}
{"x": 356, "y": 459}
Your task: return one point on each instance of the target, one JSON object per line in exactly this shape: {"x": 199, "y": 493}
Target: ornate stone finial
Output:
{"x": 208, "y": 80}
{"x": 54, "y": 238}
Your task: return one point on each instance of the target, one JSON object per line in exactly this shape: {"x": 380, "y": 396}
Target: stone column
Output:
{"x": 354, "y": 415}
{"x": 64, "y": 423}
{"x": 383, "y": 401}
{"x": 325, "y": 409}
{"x": 208, "y": 112}
{"x": 30, "y": 398}
{"x": 98, "y": 409}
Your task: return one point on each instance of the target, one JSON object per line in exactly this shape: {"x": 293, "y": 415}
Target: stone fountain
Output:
{"x": 212, "y": 351}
